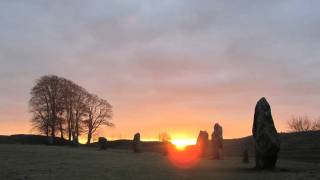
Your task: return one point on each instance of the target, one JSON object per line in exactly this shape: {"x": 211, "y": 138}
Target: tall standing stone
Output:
{"x": 217, "y": 141}
{"x": 202, "y": 142}
{"x": 136, "y": 143}
{"x": 267, "y": 143}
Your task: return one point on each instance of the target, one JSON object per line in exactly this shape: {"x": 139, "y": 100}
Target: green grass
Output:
{"x": 29, "y": 162}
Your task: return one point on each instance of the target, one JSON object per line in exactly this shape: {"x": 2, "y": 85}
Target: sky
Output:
{"x": 166, "y": 66}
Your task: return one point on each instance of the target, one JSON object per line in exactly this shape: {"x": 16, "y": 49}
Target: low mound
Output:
{"x": 29, "y": 139}
{"x": 301, "y": 146}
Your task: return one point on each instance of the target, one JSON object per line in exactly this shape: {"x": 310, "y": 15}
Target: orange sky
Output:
{"x": 180, "y": 121}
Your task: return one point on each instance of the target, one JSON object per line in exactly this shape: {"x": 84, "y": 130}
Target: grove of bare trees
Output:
{"x": 303, "y": 124}
{"x": 61, "y": 107}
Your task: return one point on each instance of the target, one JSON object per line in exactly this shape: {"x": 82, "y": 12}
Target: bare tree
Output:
{"x": 316, "y": 125}
{"x": 60, "y": 105}
{"x": 40, "y": 122}
{"x": 99, "y": 113}
{"x": 300, "y": 124}
{"x": 68, "y": 96}
{"x": 46, "y": 102}
{"x": 74, "y": 97}
{"x": 79, "y": 111}
{"x": 164, "y": 137}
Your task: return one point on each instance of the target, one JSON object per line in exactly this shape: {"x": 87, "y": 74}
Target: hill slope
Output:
{"x": 302, "y": 146}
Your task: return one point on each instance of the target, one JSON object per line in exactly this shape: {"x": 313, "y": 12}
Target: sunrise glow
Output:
{"x": 183, "y": 156}
{"x": 181, "y": 144}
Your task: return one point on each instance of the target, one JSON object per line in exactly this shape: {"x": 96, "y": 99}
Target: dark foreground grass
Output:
{"x": 28, "y": 162}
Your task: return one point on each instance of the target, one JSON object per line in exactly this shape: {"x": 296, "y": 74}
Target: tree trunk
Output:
{"x": 77, "y": 125}
{"x": 77, "y": 130}
{"x": 89, "y": 128}
{"x": 89, "y": 137}
{"x": 69, "y": 131}
{"x": 74, "y": 139}
{"x": 47, "y": 130}
{"x": 69, "y": 126}
{"x": 61, "y": 130}
{"x": 53, "y": 131}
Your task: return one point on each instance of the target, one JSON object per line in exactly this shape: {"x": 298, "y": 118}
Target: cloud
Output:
{"x": 167, "y": 54}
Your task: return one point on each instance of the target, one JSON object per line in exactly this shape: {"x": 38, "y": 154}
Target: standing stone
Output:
{"x": 267, "y": 143}
{"x": 136, "y": 143}
{"x": 102, "y": 143}
{"x": 202, "y": 142}
{"x": 245, "y": 156}
{"x": 217, "y": 141}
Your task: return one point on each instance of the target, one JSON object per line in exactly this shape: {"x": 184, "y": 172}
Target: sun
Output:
{"x": 181, "y": 144}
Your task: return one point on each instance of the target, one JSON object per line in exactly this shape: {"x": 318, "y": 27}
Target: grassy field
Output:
{"x": 28, "y": 162}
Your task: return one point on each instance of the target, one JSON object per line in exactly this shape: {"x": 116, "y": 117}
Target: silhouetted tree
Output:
{"x": 61, "y": 122}
{"x": 69, "y": 99}
{"x": 99, "y": 112}
{"x": 300, "y": 124}
{"x": 164, "y": 137}
{"x": 316, "y": 125}
{"x": 46, "y": 103}
{"x": 40, "y": 122}
{"x": 61, "y": 105}
{"x": 79, "y": 110}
